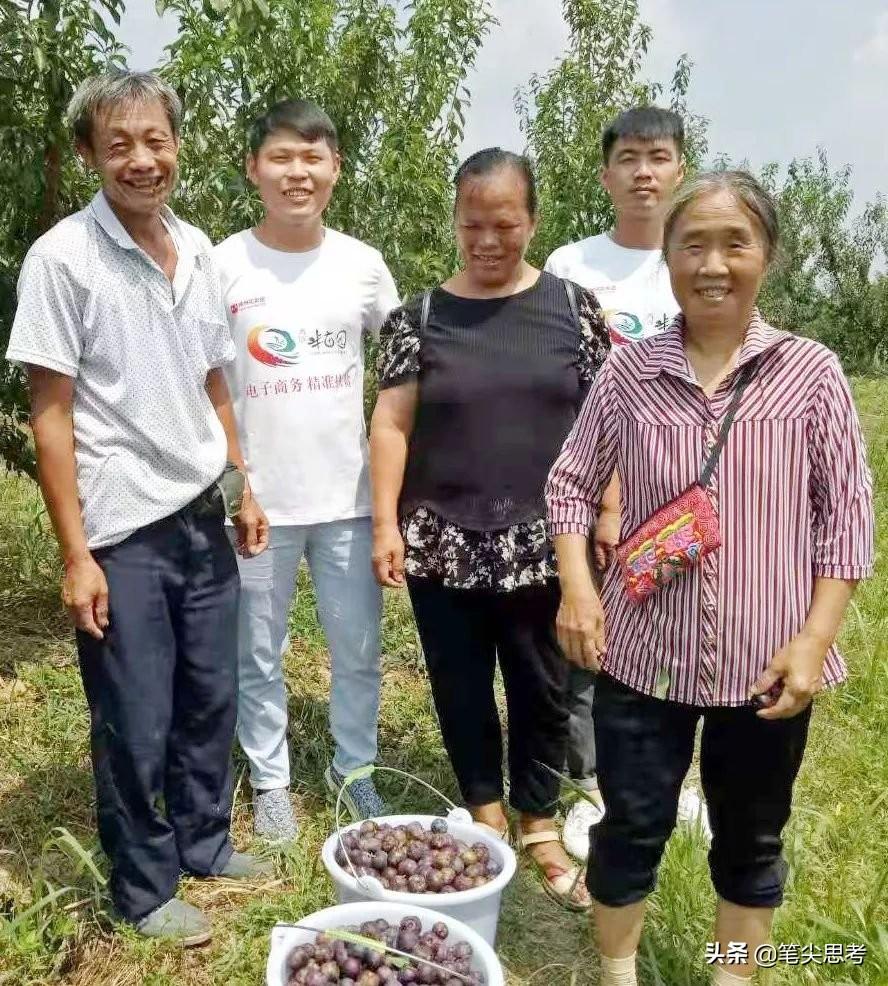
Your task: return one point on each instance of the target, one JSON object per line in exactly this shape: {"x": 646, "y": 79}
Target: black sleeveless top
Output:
{"x": 500, "y": 385}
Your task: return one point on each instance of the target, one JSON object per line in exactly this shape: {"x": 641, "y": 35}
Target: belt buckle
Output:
{"x": 207, "y": 503}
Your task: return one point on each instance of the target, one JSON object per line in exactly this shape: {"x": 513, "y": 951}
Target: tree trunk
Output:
{"x": 52, "y": 164}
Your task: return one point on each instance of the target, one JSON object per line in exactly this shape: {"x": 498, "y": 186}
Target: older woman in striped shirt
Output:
{"x": 745, "y": 638}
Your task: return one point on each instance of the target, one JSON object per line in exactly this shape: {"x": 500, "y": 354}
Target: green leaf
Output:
{"x": 69, "y": 844}
{"x": 47, "y": 901}
{"x": 100, "y": 27}
{"x": 570, "y": 783}
{"x": 398, "y": 958}
{"x": 366, "y": 942}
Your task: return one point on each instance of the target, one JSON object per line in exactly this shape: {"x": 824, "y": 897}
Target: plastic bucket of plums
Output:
{"x": 448, "y": 864}
{"x": 380, "y": 943}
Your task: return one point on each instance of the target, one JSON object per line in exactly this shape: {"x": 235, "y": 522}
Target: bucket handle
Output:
{"x": 372, "y": 885}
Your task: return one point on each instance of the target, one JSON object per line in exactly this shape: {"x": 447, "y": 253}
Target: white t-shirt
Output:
{"x": 297, "y": 381}
{"x": 94, "y": 306}
{"x": 632, "y": 286}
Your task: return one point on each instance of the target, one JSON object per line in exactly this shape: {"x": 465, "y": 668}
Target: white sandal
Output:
{"x": 503, "y": 835}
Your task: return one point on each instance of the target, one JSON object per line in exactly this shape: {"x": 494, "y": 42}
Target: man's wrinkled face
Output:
{"x": 134, "y": 149}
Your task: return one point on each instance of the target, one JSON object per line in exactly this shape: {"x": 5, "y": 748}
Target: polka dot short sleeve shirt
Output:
{"x": 93, "y": 306}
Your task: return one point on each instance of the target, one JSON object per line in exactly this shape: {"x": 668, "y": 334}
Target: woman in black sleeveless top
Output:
{"x": 480, "y": 381}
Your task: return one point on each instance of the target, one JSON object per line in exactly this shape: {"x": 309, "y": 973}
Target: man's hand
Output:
{"x": 388, "y": 556}
{"x": 580, "y": 627}
{"x": 799, "y": 668}
{"x": 606, "y": 538}
{"x": 251, "y": 527}
{"x": 250, "y": 523}
{"x": 85, "y": 595}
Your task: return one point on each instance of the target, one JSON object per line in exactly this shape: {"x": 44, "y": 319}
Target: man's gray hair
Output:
{"x": 743, "y": 187}
{"x": 101, "y": 92}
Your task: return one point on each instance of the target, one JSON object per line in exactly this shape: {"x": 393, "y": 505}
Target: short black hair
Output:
{"x": 492, "y": 159}
{"x": 302, "y": 116}
{"x": 643, "y": 123}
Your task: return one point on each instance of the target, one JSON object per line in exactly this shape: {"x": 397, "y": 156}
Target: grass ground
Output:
{"x": 53, "y": 922}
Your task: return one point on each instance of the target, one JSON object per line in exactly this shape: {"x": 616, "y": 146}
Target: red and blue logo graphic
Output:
{"x": 271, "y": 346}
{"x": 624, "y": 327}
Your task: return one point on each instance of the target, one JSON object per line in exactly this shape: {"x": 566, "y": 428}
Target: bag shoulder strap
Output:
{"x": 743, "y": 381}
{"x": 572, "y": 301}
{"x": 425, "y": 312}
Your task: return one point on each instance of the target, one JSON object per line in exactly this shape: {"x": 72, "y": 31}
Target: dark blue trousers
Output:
{"x": 162, "y": 694}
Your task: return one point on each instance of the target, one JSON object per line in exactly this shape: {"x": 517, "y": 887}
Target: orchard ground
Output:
{"x": 54, "y": 926}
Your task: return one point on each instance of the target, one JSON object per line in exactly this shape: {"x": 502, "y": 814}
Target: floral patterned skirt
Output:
{"x": 501, "y": 560}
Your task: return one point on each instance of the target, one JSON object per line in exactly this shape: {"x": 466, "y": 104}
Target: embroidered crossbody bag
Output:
{"x": 682, "y": 532}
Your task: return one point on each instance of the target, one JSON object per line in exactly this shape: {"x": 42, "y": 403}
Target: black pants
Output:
{"x": 162, "y": 691}
{"x": 747, "y": 767}
{"x": 463, "y": 631}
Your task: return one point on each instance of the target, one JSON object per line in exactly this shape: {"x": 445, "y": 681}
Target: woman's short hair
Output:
{"x": 743, "y": 187}
{"x": 101, "y": 92}
{"x": 491, "y": 159}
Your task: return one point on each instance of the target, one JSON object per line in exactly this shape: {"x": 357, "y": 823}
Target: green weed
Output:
{"x": 55, "y": 924}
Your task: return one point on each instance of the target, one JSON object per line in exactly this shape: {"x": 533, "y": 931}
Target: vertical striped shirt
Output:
{"x": 792, "y": 489}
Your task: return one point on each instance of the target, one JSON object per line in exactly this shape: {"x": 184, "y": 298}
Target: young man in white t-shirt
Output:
{"x": 642, "y": 152}
{"x": 300, "y": 299}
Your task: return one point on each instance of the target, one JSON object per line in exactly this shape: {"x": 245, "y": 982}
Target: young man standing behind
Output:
{"x": 642, "y": 165}
{"x": 300, "y": 298}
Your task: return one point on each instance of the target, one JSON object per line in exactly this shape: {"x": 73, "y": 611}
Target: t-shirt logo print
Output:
{"x": 624, "y": 326}
{"x": 271, "y": 346}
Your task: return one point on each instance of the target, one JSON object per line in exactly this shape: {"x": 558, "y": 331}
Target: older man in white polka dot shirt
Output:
{"x": 121, "y": 327}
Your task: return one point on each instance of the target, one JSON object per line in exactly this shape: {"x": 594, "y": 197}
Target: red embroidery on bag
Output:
{"x": 670, "y": 542}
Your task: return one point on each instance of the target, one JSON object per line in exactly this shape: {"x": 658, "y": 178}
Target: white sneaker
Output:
{"x": 692, "y": 811}
{"x": 575, "y": 834}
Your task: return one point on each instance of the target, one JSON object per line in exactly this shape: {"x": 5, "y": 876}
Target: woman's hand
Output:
{"x": 798, "y": 667}
{"x": 388, "y": 556}
{"x": 580, "y": 626}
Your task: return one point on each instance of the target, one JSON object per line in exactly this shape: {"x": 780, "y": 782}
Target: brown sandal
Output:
{"x": 560, "y": 884}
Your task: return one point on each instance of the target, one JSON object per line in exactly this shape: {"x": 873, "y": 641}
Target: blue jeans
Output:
{"x": 581, "y": 737}
{"x": 349, "y": 607}
{"x": 161, "y": 688}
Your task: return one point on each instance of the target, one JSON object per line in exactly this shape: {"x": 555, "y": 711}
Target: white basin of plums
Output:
{"x": 443, "y": 950}
{"x": 449, "y": 865}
